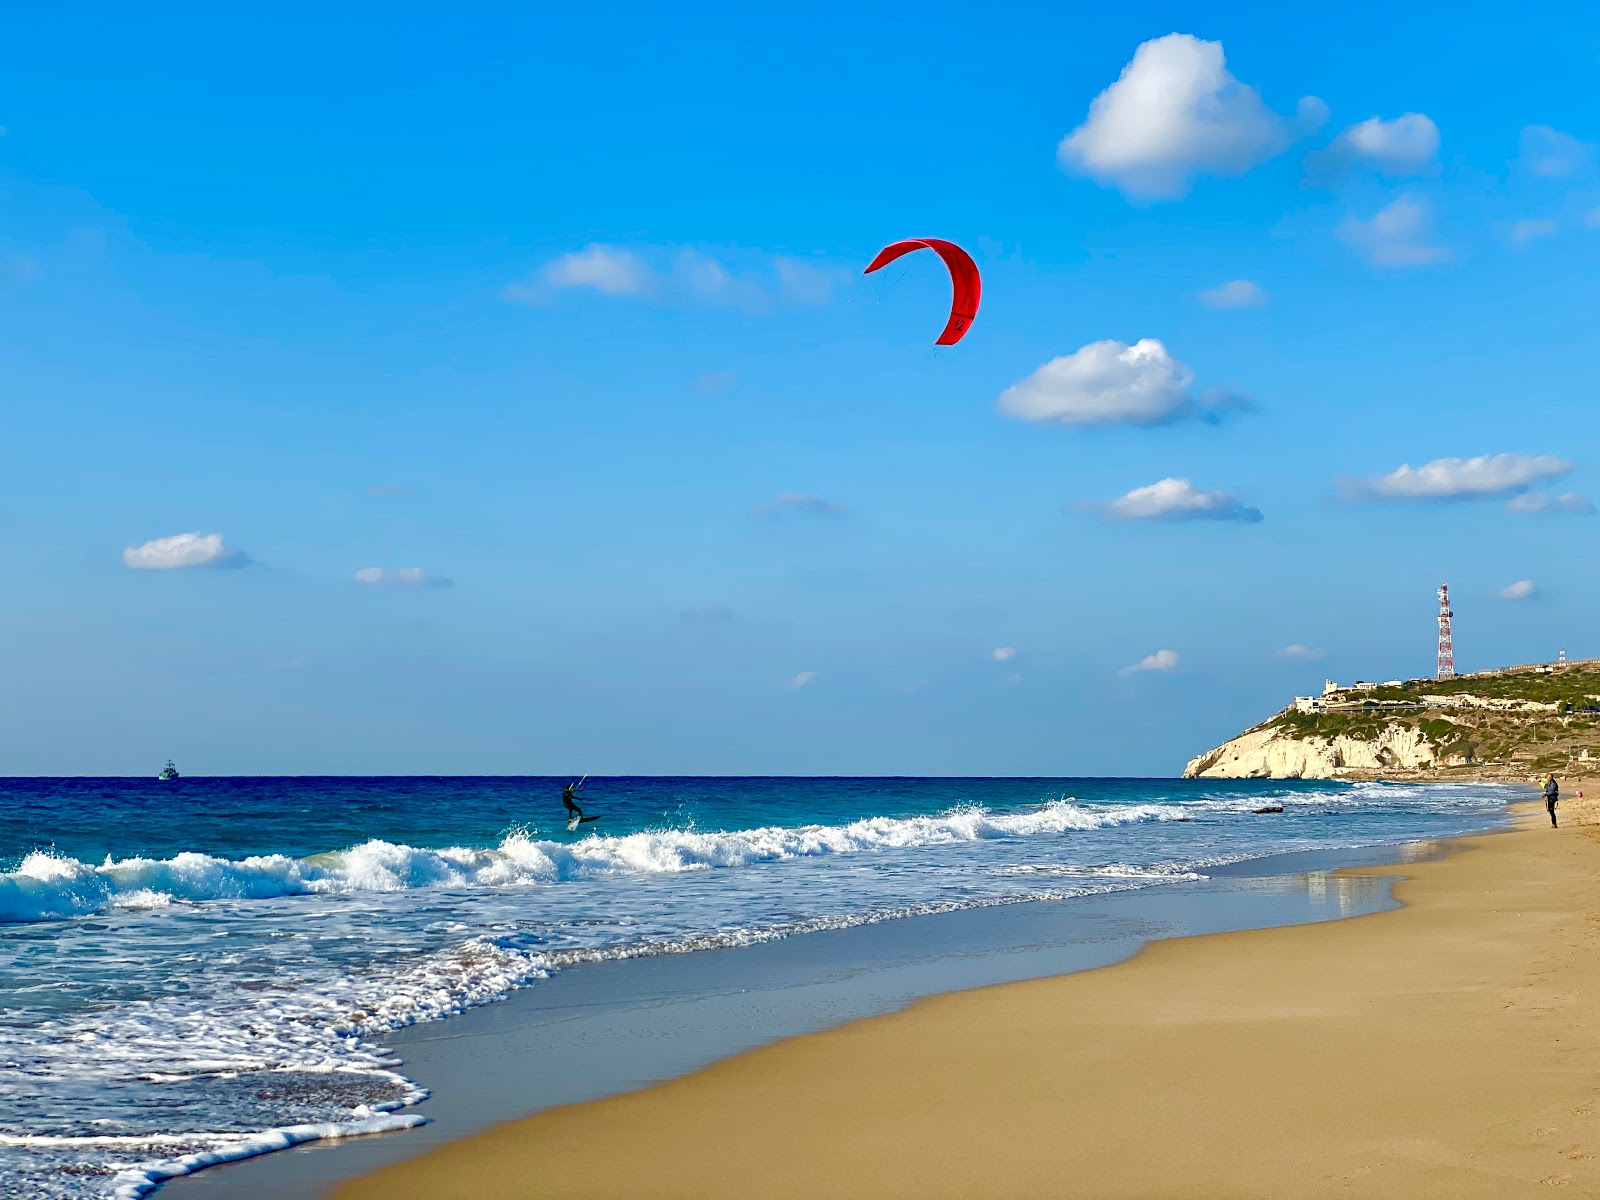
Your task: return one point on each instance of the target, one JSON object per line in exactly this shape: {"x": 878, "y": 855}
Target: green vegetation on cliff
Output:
{"x": 1577, "y": 684}
{"x": 1460, "y": 719}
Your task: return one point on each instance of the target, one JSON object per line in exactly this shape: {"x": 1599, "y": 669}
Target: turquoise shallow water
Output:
{"x": 205, "y": 969}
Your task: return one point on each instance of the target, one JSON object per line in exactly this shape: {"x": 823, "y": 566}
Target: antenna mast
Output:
{"x": 1447, "y": 653}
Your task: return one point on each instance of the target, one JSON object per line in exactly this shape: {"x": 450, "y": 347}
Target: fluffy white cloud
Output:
{"x": 1161, "y": 660}
{"x": 1398, "y": 235}
{"x": 1175, "y": 113}
{"x": 1550, "y": 153}
{"x": 1524, "y": 232}
{"x": 183, "y": 550}
{"x": 1111, "y": 383}
{"x": 1403, "y": 146}
{"x": 1175, "y": 500}
{"x": 800, "y": 680}
{"x": 1300, "y": 652}
{"x": 686, "y": 277}
{"x": 1538, "y": 502}
{"x": 1486, "y": 477}
{"x": 802, "y": 504}
{"x": 1004, "y": 653}
{"x": 1522, "y": 589}
{"x": 405, "y": 577}
{"x": 1236, "y": 293}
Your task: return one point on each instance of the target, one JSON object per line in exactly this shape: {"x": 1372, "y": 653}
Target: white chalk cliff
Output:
{"x": 1270, "y": 752}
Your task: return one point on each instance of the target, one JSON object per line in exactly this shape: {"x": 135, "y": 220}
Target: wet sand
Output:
{"x": 602, "y": 1029}
{"x": 1448, "y": 1048}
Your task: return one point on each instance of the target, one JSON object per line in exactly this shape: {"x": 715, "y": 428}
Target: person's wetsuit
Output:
{"x": 1552, "y": 793}
{"x": 567, "y": 794}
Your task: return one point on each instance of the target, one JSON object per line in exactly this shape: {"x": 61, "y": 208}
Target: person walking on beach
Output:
{"x": 1552, "y": 793}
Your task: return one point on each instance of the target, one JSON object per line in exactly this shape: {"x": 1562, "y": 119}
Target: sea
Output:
{"x": 205, "y": 969}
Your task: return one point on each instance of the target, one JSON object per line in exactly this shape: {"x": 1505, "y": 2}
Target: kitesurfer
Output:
{"x": 569, "y": 798}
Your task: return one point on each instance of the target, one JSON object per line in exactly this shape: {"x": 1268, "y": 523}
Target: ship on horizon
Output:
{"x": 169, "y": 771}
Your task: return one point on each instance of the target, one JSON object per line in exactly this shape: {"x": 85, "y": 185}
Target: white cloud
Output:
{"x": 1175, "y": 500}
{"x": 1538, "y": 502}
{"x": 610, "y": 270}
{"x": 1550, "y": 153}
{"x": 183, "y": 550}
{"x": 405, "y": 577}
{"x": 1486, "y": 477}
{"x": 687, "y": 277}
{"x": 1311, "y": 114}
{"x": 1299, "y": 652}
{"x": 1403, "y": 146}
{"x": 705, "y": 280}
{"x": 1175, "y": 113}
{"x": 1522, "y": 589}
{"x": 1161, "y": 660}
{"x": 1004, "y": 653}
{"x": 1524, "y": 232}
{"x": 800, "y": 680}
{"x": 800, "y": 503}
{"x": 1111, "y": 383}
{"x": 1398, "y": 235}
{"x": 1236, "y": 293}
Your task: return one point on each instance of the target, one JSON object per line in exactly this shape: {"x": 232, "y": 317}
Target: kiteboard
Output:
{"x": 574, "y": 822}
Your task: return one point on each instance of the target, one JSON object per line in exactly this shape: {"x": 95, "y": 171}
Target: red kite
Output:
{"x": 963, "y": 276}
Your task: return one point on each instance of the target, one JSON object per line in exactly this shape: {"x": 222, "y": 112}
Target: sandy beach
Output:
{"x": 1443, "y": 1049}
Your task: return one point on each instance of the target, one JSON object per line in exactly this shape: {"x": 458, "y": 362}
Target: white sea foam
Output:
{"x": 135, "y": 1182}
{"x": 271, "y": 1032}
{"x": 324, "y": 1030}
{"x": 48, "y": 886}
{"x": 1154, "y": 874}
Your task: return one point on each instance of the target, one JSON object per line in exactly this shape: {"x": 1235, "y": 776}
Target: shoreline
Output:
{"x": 1439, "y": 1048}
{"x": 602, "y": 1030}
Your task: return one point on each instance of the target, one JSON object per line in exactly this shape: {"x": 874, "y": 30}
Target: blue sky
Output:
{"x": 551, "y": 327}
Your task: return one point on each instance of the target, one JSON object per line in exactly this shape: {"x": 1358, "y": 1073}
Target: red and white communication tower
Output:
{"x": 1447, "y": 653}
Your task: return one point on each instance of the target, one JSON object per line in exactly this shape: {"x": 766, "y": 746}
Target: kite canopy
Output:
{"x": 963, "y": 277}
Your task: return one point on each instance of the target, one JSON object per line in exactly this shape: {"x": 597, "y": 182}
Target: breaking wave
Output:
{"x": 46, "y": 886}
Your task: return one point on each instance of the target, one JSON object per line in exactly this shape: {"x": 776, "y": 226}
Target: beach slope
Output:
{"x": 1449, "y": 1048}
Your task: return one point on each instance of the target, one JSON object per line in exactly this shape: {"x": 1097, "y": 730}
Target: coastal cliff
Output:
{"x": 1275, "y": 752}
{"x": 1504, "y": 725}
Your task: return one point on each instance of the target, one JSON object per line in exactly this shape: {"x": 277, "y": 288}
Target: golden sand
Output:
{"x": 1447, "y": 1049}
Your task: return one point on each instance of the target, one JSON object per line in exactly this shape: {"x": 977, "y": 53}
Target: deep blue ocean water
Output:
{"x": 205, "y": 968}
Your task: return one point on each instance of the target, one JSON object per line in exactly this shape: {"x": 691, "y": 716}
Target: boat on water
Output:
{"x": 169, "y": 771}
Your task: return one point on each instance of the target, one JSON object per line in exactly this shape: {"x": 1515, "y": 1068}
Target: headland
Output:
{"x": 1507, "y": 725}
